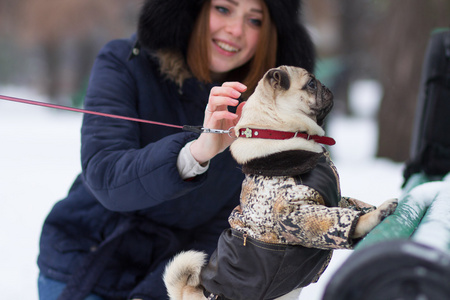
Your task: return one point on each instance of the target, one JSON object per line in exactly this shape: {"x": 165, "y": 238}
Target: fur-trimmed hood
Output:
{"x": 167, "y": 24}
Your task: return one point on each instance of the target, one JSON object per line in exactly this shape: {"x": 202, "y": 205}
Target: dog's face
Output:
{"x": 286, "y": 99}
{"x": 294, "y": 91}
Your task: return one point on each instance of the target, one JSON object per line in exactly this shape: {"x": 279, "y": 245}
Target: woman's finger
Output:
{"x": 220, "y": 102}
{"x": 224, "y": 92}
{"x": 222, "y": 115}
{"x": 235, "y": 85}
{"x": 225, "y": 95}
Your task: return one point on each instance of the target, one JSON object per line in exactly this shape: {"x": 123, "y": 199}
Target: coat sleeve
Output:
{"x": 123, "y": 174}
{"x": 318, "y": 226}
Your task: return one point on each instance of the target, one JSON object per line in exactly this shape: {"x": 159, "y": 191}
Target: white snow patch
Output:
{"x": 365, "y": 97}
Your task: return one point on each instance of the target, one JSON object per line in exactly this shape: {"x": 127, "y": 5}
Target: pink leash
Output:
{"x": 84, "y": 111}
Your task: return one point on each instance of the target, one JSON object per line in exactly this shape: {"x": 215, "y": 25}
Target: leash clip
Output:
{"x": 200, "y": 129}
{"x": 218, "y": 131}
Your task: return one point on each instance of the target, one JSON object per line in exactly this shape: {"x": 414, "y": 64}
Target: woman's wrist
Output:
{"x": 187, "y": 165}
{"x": 198, "y": 153}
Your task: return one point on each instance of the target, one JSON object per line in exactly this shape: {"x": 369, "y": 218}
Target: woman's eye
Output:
{"x": 256, "y": 22}
{"x": 222, "y": 10}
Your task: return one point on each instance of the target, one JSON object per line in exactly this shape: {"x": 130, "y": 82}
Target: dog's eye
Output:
{"x": 312, "y": 84}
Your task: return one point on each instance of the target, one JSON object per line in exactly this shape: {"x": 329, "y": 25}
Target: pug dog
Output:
{"x": 291, "y": 214}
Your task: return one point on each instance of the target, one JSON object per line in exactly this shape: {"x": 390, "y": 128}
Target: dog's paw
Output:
{"x": 368, "y": 221}
{"x": 387, "y": 208}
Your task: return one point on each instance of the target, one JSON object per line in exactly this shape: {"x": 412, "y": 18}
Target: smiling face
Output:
{"x": 235, "y": 27}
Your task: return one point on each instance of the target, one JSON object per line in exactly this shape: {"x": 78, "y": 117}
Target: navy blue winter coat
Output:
{"x": 129, "y": 211}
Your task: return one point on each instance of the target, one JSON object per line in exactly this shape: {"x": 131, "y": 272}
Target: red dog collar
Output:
{"x": 283, "y": 135}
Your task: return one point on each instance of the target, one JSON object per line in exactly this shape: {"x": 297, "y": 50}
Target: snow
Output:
{"x": 368, "y": 105}
{"x": 435, "y": 226}
{"x": 39, "y": 159}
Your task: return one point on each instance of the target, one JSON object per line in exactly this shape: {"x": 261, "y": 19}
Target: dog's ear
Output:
{"x": 278, "y": 79}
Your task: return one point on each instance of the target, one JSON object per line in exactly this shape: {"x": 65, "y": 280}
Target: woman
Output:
{"x": 147, "y": 192}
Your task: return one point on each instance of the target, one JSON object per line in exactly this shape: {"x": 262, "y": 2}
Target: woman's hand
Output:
{"x": 217, "y": 116}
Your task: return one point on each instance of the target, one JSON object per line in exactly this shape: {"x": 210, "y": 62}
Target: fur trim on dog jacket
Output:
{"x": 167, "y": 24}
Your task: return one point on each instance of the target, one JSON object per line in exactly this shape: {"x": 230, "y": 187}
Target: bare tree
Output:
{"x": 402, "y": 38}
{"x": 67, "y": 34}
{"x": 383, "y": 40}
{"x": 344, "y": 35}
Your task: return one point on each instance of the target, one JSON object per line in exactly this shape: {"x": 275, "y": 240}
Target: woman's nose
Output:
{"x": 235, "y": 27}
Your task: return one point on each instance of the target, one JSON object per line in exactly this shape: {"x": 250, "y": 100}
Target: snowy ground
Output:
{"x": 39, "y": 158}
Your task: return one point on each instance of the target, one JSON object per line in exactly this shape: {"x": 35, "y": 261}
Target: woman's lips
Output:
{"x": 226, "y": 47}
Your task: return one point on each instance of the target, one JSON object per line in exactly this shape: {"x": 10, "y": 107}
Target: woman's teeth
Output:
{"x": 226, "y": 47}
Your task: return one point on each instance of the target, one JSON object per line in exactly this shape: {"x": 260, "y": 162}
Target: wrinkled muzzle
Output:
{"x": 324, "y": 103}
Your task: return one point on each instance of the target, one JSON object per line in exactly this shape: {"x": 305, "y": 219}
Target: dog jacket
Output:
{"x": 283, "y": 232}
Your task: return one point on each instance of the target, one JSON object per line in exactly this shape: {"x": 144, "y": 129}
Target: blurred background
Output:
{"x": 370, "y": 54}
{"x": 49, "y": 45}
